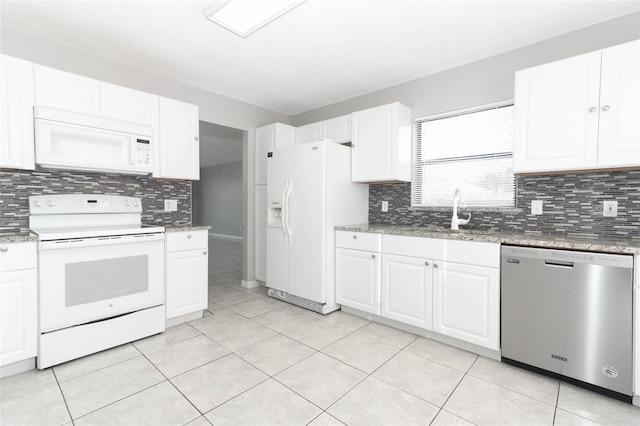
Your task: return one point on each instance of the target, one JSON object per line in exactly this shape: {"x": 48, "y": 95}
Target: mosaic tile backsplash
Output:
{"x": 572, "y": 205}
{"x": 16, "y": 187}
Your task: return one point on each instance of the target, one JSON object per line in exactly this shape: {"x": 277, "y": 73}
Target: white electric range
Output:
{"x": 100, "y": 274}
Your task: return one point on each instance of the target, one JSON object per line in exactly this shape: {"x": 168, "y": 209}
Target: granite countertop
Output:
{"x": 586, "y": 243}
{"x": 17, "y": 237}
{"x": 186, "y": 228}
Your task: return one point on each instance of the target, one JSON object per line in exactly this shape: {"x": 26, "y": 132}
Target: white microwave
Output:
{"x": 69, "y": 140}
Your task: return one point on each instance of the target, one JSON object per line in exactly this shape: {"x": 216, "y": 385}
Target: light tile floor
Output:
{"x": 253, "y": 360}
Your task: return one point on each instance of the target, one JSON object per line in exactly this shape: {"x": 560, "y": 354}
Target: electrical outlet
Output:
{"x": 170, "y": 205}
{"x": 385, "y": 206}
{"x": 610, "y": 208}
{"x": 536, "y": 207}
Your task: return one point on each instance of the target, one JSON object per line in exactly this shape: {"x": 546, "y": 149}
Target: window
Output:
{"x": 471, "y": 150}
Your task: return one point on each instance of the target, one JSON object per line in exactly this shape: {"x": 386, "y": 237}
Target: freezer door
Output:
{"x": 277, "y": 175}
{"x": 307, "y": 222}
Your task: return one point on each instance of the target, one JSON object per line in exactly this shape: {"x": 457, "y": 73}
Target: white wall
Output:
{"x": 217, "y": 199}
{"x": 485, "y": 81}
{"x": 214, "y": 108}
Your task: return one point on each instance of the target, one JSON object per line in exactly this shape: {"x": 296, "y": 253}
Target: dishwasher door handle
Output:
{"x": 558, "y": 264}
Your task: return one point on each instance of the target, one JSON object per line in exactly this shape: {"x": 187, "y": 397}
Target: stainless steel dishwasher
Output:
{"x": 569, "y": 313}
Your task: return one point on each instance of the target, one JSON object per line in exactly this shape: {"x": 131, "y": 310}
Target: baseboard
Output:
{"x": 225, "y": 236}
{"x": 17, "y": 367}
{"x": 182, "y": 318}
{"x": 249, "y": 284}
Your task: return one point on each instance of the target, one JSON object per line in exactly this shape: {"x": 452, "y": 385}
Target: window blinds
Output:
{"x": 471, "y": 150}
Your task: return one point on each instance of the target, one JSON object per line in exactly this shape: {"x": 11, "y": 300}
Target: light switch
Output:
{"x": 385, "y": 206}
{"x": 536, "y": 207}
{"x": 170, "y": 205}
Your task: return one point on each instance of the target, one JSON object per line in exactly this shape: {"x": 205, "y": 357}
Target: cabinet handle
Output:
{"x": 606, "y": 108}
{"x": 373, "y": 256}
{"x": 426, "y": 263}
{"x": 195, "y": 138}
{"x": 593, "y": 109}
{"x": 435, "y": 265}
{"x": 4, "y": 249}
{"x": 204, "y": 252}
{"x": 188, "y": 235}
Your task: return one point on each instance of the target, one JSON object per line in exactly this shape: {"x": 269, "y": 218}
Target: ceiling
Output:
{"x": 219, "y": 145}
{"x": 322, "y": 52}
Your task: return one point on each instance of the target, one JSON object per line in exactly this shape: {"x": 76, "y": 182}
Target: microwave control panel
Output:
{"x": 143, "y": 151}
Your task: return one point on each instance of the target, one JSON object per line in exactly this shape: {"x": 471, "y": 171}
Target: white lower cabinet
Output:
{"x": 187, "y": 264}
{"x": 451, "y": 287}
{"x": 18, "y": 302}
{"x": 466, "y": 303}
{"x": 406, "y": 290}
{"x": 358, "y": 270}
{"x": 358, "y": 279}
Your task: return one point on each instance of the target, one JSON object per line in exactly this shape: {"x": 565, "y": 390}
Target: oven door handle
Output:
{"x": 99, "y": 241}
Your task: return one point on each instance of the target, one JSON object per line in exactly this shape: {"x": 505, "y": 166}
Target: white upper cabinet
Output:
{"x": 309, "y": 133}
{"x": 124, "y": 104}
{"x": 16, "y": 114}
{"x": 579, "y": 113}
{"x": 178, "y": 141}
{"x": 381, "y": 144}
{"x": 70, "y": 92}
{"x": 66, "y": 91}
{"x": 337, "y": 129}
{"x": 267, "y": 139}
{"x": 619, "y": 131}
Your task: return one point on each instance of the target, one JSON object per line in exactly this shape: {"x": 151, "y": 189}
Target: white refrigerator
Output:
{"x": 309, "y": 192}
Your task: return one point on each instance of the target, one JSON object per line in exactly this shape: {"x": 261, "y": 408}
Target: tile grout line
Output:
{"x": 63, "y": 397}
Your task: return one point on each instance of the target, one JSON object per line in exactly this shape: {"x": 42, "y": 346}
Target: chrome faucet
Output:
{"x": 455, "y": 221}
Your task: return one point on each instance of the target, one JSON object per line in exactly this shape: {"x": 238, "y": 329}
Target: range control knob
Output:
{"x": 51, "y": 203}
{"x": 135, "y": 203}
{"x": 126, "y": 203}
{"x": 38, "y": 203}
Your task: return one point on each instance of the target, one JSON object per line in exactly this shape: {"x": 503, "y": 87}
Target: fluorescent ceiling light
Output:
{"x": 244, "y": 17}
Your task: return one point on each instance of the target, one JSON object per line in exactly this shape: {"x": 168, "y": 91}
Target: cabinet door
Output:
{"x": 337, "y": 129}
{"x": 261, "y": 232}
{"x": 18, "y": 315}
{"x": 179, "y": 140}
{"x": 122, "y": 103}
{"x": 619, "y": 131}
{"x": 16, "y": 114}
{"x": 407, "y": 290}
{"x": 309, "y": 133}
{"x": 186, "y": 282}
{"x": 358, "y": 280}
{"x": 466, "y": 303}
{"x": 268, "y": 138}
{"x": 381, "y": 144}
{"x": 66, "y": 91}
{"x": 556, "y": 115}
{"x": 264, "y": 143}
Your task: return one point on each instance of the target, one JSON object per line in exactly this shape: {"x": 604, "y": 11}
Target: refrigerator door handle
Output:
{"x": 285, "y": 220}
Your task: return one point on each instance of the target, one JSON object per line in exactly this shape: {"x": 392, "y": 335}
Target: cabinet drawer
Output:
{"x": 186, "y": 240}
{"x": 359, "y": 241}
{"x": 18, "y": 256}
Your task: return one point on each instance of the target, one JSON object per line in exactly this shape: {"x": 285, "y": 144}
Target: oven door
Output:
{"x": 90, "y": 279}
